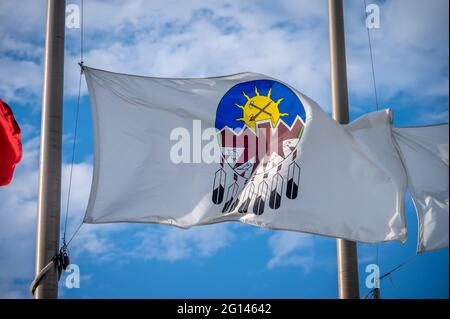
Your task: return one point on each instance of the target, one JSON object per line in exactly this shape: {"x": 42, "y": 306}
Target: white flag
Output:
{"x": 425, "y": 155}
{"x": 244, "y": 147}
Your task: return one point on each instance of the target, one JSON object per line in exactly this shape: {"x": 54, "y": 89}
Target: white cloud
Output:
{"x": 204, "y": 39}
{"x": 17, "y": 220}
{"x": 172, "y": 244}
{"x": 291, "y": 249}
{"x": 21, "y": 49}
{"x": 410, "y": 49}
{"x": 285, "y": 39}
{"x": 18, "y": 206}
{"x": 20, "y": 81}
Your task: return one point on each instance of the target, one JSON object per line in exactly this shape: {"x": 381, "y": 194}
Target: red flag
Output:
{"x": 10, "y": 145}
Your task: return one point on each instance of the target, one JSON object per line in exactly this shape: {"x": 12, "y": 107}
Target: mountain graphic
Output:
{"x": 248, "y": 149}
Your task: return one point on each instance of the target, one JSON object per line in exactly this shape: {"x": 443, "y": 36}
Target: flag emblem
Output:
{"x": 259, "y": 125}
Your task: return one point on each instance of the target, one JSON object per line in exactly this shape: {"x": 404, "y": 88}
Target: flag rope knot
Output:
{"x": 60, "y": 261}
{"x": 81, "y": 64}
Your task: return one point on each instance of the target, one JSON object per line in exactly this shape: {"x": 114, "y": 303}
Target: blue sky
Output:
{"x": 284, "y": 39}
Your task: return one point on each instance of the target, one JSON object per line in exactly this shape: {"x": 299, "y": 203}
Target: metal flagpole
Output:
{"x": 49, "y": 196}
{"x": 346, "y": 250}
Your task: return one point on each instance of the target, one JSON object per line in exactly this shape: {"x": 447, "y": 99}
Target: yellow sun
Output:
{"x": 260, "y": 108}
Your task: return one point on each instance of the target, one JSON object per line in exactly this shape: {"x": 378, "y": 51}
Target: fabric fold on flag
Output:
{"x": 246, "y": 148}
{"x": 424, "y": 152}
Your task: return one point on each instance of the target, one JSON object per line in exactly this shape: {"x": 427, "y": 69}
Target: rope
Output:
{"x": 377, "y": 260}
{"x": 411, "y": 258}
{"x": 371, "y": 60}
{"x": 377, "y": 254}
{"x": 389, "y": 273}
{"x": 76, "y": 231}
{"x": 65, "y": 244}
{"x": 73, "y": 159}
{"x": 58, "y": 262}
{"x": 81, "y": 33}
{"x": 41, "y": 275}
